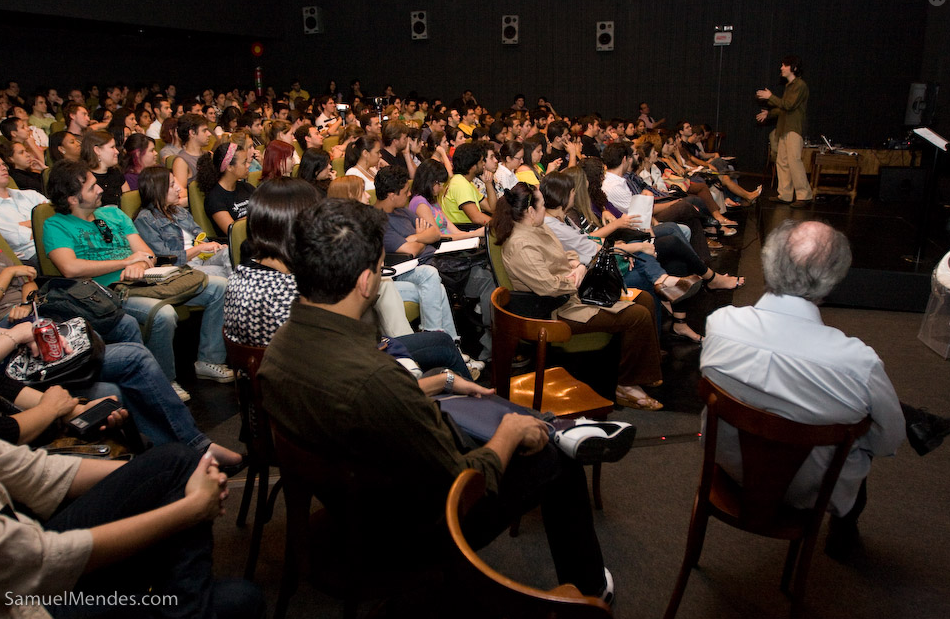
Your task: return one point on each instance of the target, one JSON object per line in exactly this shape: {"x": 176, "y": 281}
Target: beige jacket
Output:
{"x": 34, "y": 561}
{"x": 536, "y": 262}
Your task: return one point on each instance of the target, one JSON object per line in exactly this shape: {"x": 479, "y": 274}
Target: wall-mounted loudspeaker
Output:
{"x": 313, "y": 20}
{"x": 509, "y": 29}
{"x": 420, "y": 29}
{"x": 605, "y": 36}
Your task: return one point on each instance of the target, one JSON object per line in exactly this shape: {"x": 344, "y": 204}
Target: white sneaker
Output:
{"x": 478, "y": 365}
{"x": 474, "y": 372}
{"x": 181, "y": 393}
{"x": 607, "y": 595}
{"x": 217, "y": 372}
{"x": 590, "y": 441}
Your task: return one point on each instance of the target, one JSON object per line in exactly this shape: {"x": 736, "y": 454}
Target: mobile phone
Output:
{"x": 93, "y": 418}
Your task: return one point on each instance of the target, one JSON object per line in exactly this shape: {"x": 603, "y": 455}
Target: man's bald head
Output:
{"x": 805, "y": 259}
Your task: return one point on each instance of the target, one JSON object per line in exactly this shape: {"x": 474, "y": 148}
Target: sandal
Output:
{"x": 727, "y": 231}
{"x": 682, "y": 336}
{"x": 643, "y": 404}
{"x": 740, "y": 282}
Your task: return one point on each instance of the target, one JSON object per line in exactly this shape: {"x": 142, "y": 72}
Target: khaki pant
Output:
{"x": 792, "y": 179}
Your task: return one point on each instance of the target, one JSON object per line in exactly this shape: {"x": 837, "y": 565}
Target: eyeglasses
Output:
{"x": 104, "y": 230}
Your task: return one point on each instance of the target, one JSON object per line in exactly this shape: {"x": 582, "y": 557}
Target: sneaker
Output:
{"x": 474, "y": 372}
{"x": 477, "y": 365}
{"x": 589, "y": 441}
{"x": 181, "y": 393}
{"x": 217, "y": 372}
{"x": 607, "y": 595}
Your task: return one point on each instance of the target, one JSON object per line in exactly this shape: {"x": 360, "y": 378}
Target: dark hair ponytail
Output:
{"x": 509, "y": 210}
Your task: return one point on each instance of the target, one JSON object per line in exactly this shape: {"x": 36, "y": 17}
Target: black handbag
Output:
{"x": 80, "y": 368}
{"x": 62, "y": 298}
{"x": 603, "y": 283}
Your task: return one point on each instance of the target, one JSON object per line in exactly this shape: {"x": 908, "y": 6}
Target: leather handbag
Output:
{"x": 603, "y": 283}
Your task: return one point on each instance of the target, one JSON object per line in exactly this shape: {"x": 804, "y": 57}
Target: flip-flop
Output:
{"x": 643, "y": 404}
{"x": 727, "y": 231}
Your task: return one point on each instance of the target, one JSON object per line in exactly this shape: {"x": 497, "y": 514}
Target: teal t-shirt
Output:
{"x": 86, "y": 240}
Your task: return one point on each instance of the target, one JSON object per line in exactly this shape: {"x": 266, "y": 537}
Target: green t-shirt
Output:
{"x": 86, "y": 240}
{"x": 458, "y": 192}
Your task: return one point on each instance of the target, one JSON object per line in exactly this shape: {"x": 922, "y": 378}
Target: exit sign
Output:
{"x": 722, "y": 38}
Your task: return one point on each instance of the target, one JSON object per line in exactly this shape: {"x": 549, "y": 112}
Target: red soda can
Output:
{"x": 47, "y": 340}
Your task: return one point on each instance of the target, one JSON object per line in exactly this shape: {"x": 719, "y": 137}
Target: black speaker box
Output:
{"x": 900, "y": 184}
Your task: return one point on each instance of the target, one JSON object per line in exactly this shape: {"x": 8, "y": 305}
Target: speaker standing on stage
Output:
{"x": 789, "y": 109}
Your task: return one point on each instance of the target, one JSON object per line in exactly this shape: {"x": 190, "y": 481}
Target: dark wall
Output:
{"x": 859, "y": 57}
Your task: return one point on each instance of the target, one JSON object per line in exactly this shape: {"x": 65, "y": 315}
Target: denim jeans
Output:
{"x": 130, "y": 371}
{"x": 646, "y": 270}
{"x": 126, "y": 330}
{"x": 211, "y": 343}
{"x": 433, "y": 349}
{"x": 423, "y": 285}
{"x": 180, "y": 565}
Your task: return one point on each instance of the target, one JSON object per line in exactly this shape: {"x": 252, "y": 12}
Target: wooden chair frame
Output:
{"x": 488, "y": 587}
{"x": 773, "y": 450}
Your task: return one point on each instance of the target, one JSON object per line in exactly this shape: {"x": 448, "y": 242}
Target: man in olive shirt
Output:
{"x": 789, "y": 109}
{"x": 352, "y": 403}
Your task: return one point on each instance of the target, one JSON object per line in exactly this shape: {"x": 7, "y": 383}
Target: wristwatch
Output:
{"x": 449, "y": 381}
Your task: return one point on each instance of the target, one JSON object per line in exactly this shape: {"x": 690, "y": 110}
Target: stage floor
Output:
{"x": 882, "y": 235}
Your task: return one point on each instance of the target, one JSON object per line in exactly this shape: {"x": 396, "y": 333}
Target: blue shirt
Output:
{"x": 779, "y": 356}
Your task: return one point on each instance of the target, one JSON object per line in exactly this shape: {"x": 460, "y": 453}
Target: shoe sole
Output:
{"x": 216, "y": 379}
{"x": 596, "y": 449}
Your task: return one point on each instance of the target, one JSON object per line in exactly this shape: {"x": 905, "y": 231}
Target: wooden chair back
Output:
{"x": 567, "y": 396}
{"x": 42, "y": 212}
{"x": 494, "y": 592}
{"x": 773, "y": 450}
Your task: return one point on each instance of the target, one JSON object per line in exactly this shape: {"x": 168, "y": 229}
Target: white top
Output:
{"x": 369, "y": 185}
{"x": 154, "y": 130}
{"x": 617, "y": 191}
{"x": 780, "y": 357}
{"x": 505, "y": 177}
{"x": 19, "y": 207}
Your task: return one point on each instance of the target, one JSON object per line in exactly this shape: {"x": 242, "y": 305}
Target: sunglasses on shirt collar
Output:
{"x": 104, "y": 230}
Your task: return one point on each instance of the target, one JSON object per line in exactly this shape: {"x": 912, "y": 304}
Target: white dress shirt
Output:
{"x": 780, "y": 357}
{"x": 19, "y": 207}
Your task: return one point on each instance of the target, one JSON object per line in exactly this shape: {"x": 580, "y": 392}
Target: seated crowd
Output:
{"x": 327, "y": 190}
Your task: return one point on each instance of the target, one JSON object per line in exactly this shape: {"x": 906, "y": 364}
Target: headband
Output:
{"x": 232, "y": 148}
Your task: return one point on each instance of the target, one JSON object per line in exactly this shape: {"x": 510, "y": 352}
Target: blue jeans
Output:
{"x": 432, "y": 349}
{"x": 646, "y": 270}
{"x": 130, "y": 371}
{"x": 126, "y": 330}
{"x": 211, "y": 342}
{"x": 423, "y": 285}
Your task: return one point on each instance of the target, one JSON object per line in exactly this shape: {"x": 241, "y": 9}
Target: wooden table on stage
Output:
{"x": 872, "y": 159}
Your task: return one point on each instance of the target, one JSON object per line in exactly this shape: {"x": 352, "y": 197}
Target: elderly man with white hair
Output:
{"x": 779, "y": 356}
